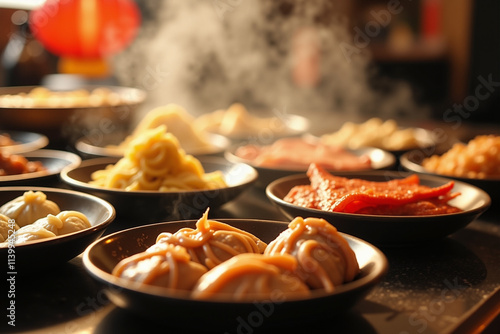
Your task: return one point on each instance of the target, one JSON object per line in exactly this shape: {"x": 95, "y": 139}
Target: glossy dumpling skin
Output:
{"x": 51, "y": 226}
{"x": 29, "y": 207}
{"x": 325, "y": 259}
{"x": 64, "y": 222}
{"x": 168, "y": 267}
{"x": 212, "y": 242}
{"x": 5, "y": 227}
{"x": 250, "y": 277}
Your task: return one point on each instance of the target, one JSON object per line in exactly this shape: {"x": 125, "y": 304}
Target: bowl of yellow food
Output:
{"x": 384, "y": 134}
{"x": 157, "y": 179}
{"x": 238, "y": 123}
{"x": 65, "y": 115}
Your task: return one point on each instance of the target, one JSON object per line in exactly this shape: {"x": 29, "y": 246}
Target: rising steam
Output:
{"x": 205, "y": 55}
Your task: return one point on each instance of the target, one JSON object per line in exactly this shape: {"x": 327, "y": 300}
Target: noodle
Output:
{"x": 154, "y": 161}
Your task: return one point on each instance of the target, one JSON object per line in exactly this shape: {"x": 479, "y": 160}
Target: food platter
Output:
{"x": 383, "y": 229}
{"x": 53, "y": 160}
{"x": 100, "y": 258}
{"x": 24, "y": 141}
{"x": 46, "y": 253}
{"x": 153, "y": 206}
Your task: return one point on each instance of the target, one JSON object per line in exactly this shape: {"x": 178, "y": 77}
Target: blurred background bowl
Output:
{"x": 63, "y": 125}
{"x": 105, "y": 146}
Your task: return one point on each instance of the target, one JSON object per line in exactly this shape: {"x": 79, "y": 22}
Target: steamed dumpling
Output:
{"x": 212, "y": 242}
{"x": 32, "y": 232}
{"x": 168, "y": 267}
{"x": 5, "y": 227}
{"x": 29, "y": 207}
{"x": 325, "y": 258}
{"x": 64, "y": 222}
{"x": 252, "y": 277}
{"x": 52, "y": 226}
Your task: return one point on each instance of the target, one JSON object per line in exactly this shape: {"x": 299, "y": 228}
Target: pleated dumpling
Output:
{"x": 52, "y": 226}
{"x": 212, "y": 242}
{"x": 168, "y": 267}
{"x": 6, "y": 224}
{"x": 325, "y": 259}
{"x": 29, "y": 207}
{"x": 250, "y": 277}
{"x": 32, "y": 232}
{"x": 64, "y": 222}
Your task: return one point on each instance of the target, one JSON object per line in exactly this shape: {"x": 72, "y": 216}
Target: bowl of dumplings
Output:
{"x": 222, "y": 270}
{"x": 42, "y": 227}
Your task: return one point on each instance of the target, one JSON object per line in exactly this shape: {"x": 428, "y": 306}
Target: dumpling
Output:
{"x": 324, "y": 257}
{"x": 212, "y": 242}
{"x": 168, "y": 267}
{"x": 252, "y": 277}
{"x": 64, "y": 222}
{"x": 52, "y": 226}
{"x": 6, "y": 225}
{"x": 32, "y": 232}
{"x": 29, "y": 207}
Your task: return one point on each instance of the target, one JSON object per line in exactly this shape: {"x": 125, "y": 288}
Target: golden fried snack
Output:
{"x": 252, "y": 277}
{"x": 168, "y": 267}
{"x": 324, "y": 257}
{"x": 212, "y": 242}
{"x": 480, "y": 158}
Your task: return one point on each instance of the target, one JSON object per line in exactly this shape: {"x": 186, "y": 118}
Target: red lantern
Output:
{"x": 85, "y": 28}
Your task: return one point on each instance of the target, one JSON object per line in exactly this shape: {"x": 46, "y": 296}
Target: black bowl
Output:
{"x": 384, "y": 230}
{"x": 153, "y": 206}
{"x": 100, "y": 146}
{"x": 53, "y": 160}
{"x": 412, "y": 161}
{"x": 155, "y": 303}
{"x": 63, "y": 125}
{"x": 45, "y": 253}
{"x": 24, "y": 141}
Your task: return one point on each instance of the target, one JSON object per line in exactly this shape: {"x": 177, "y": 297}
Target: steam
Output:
{"x": 205, "y": 55}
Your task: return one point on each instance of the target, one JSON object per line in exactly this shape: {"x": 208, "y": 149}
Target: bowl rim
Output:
{"x": 47, "y": 190}
{"x": 108, "y": 160}
{"x": 18, "y": 148}
{"x": 73, "y": 161}
{"x": 230, "y": 155}
{"x": 141, "y": 96}
{"x": 411, "y": 165}
{"x": 299, "y": 177}
{"x": 377, "y": 272}
{"x": 84, "y": 146}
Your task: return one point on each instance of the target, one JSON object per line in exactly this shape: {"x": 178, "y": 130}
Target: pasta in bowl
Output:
{"x": 158, "y": 180}
{"x": 154, "y": 205}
